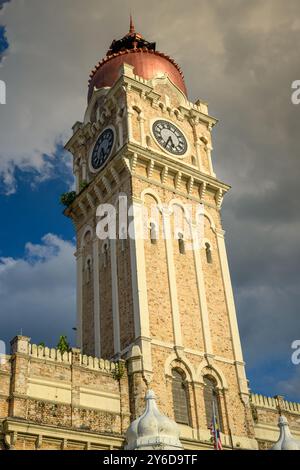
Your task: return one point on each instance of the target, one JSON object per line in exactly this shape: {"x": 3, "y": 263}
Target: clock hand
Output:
{"x": 170, "y": 140}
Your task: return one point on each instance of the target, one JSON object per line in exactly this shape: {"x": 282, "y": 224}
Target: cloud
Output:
{"x": 292, "y": 385}
{"x": 38, "y": 291}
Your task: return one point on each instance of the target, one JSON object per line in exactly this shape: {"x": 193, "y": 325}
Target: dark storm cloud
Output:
{"x": 241, "y": 57}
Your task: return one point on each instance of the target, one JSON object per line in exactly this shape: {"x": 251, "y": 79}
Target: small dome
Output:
{"x": 134, "y": 50}
{"x": 286, "y": 440}
{"x": 153, "y": 430}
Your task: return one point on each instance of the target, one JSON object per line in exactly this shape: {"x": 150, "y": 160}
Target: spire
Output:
{"x": 131, "y": 28}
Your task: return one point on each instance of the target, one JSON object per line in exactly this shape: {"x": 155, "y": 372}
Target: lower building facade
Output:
{"x": 70, "y": 401}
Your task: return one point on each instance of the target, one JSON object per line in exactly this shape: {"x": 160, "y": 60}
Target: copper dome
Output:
{"x": 134, "y": 50}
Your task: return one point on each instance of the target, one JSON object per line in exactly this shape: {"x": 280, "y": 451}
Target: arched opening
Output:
{"x": 208, "y": 253}
{"x": 181, "y": 244}
{"x": 153, "y": 233}
{"x": 181, "y": 401}
{"x": 212, "y": 402}
{"x": 105, "y": 255}
{"x": 88, "y": 270}
{"x": 148, "y": 140}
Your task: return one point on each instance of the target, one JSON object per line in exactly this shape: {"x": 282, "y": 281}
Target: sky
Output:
{"x": 240, "y": 57}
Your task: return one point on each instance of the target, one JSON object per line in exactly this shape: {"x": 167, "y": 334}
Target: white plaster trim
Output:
{"x": 237, "y": 349}
{"x": 185, "y": 362}
{"x": 139, "y": 283}
{"x": 221, "y": 379}
{"x": 88, "y": 229}
{"x": 172, "y": 280}
{"x": 202, "y": 298}
{"x": 115, "y": 297}
{"x": 96, "y": 298}
{"x": 79, "y": 269}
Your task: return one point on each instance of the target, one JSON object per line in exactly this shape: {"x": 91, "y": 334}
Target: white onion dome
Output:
{"x": 286, "y": 440}
{"x": 153, "y": 430}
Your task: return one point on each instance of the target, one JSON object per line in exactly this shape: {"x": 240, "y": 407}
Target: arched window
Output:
{"x": 181, "y": 245}
{"x": 208, "y": 253}
{"x": 153, "y": 233}
{"x": 180, "y": 397}
{"x": 212, "y": 402}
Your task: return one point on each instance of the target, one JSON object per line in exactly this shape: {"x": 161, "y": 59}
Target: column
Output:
{"x": 79, "y": 266}
{"x": 96, "y": 298}
{"x": 139, "y": 283}
{"x": 129, "y": 125}
{"x": 237, "y": 349}
{"x": 141, "y": 120}
{"x": 83, "y": 171}
{"x": 208, "y": 152}
{"x": 120, "y": 132}
{"x": 201, "y": 293}
{"x": 115, "y": 297}
{"x": 172, "y": 279}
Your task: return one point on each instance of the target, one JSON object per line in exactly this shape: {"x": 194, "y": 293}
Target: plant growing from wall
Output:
{"x": 83, "y": 185}
{"x": 66, "y": 199}
{"x": 119, "y": 370}
{"x": 63, "y": 345}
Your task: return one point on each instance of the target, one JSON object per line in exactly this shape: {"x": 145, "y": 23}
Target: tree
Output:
{"x": 63, "y": 345}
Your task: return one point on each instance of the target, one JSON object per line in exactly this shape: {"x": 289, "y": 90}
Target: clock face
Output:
{"x": 102, "y": 149}
{"x": 169, "y": 137}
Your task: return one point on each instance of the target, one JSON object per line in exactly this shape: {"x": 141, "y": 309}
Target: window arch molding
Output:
{"x": 212, "y": 400}
{"x": 152, "y": 193}
{"x": 204, "y": 369}
{"x": 179, "y": 203}
{"x": 172, "y": 362}
{"x": 211, "y": 220}
{"x": 87, "y": 230}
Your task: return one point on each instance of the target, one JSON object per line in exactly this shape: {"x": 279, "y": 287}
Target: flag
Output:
{"x": 215, "y": 431}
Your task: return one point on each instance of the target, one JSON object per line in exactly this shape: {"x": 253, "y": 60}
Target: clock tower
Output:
{"x": 156, "y": 291}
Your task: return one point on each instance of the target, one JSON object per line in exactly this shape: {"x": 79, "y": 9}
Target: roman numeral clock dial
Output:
{"x": 169, "y": 137}
{"x": 102, "y": 149}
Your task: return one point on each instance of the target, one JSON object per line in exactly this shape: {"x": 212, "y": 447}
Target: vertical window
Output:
{"x": 123, "y": 239}
{"x": 148, "y": 141}
{"x": 212, "y": 402}
{"x": 208, "y": 253}
{"x": 180, "y": 397}
{"x": 181, "y": 245}
{"x": 105, "y": 255}
{"x": 88, "y": 270}
{"x": 153, "y": 233}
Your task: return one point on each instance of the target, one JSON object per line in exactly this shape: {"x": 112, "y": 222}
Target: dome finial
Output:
{"x": 153, "y": 430}
{"x": 131, "y": 28}
{"x": 286, "y": 440}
